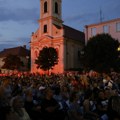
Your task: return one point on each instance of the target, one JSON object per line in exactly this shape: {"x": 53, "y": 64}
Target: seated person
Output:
{"x": 50, "y": 107}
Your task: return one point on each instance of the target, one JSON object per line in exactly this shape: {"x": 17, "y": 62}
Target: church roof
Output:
{"x": 20, "y": 51}
{"x": 74, "y": 34}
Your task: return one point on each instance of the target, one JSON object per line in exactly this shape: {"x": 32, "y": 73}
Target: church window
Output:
{"x": 56, "y": 7}
{"x": 45, "y": 28}
{"x": 45, "y": 7}
{"x": 57, "y": 51}
{"x": 36, "y": 54}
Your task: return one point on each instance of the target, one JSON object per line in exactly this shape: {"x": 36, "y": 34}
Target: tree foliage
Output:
{"x": 12, "y": 62}
{"x": 101, "y": 53}
{"x": 47, "y": 59}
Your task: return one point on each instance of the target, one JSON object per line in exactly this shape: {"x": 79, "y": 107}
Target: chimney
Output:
{"x": 24, "y": 46}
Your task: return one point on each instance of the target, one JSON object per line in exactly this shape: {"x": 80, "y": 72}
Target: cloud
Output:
{"x": 24, "y": 40}
{"x": 1, "y": 35}
{"x": 19, "y": 14}
{"x": 7, "y": 44}
{"x": 80, "y": 20}
{"x": 113, "y": 12}
{"x": 79, "y": 17}
{"x": 15, "y": 42}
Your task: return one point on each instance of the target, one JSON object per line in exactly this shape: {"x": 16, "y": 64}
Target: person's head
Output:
{"x": 64, "y": 88}
{"x": 48, "y": 93}
{"x": 6, "y": 82}
{"x": 17, "y": 102}
{"x": 29, "y": 95}
{"x": 107, "y": 93}
{"x": 101, "y": 95}
{"x": 73, "y": 97}
{"x": 114, "y": 92}
{"x": 88, "y": 94}
{"x": 95, "y": 85}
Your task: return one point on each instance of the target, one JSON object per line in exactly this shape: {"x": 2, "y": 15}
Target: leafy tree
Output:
{"x": 47, "y": 59}
{"x": 12, "y": 62}
{"x": 101, "y": 53}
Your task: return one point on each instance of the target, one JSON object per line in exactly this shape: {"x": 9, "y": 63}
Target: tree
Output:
{"x": 101, "y": 53}
{"x": 47, "y": 59}
{"x": 12, "y": 62}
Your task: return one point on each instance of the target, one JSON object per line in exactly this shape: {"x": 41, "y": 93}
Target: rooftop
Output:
{"x": 74, "y": 34}
{"x": 104, "y": 22}
{"x": 20, "y": 51}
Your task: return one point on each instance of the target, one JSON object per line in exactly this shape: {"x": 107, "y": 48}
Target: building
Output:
{"x": 111, "y": 27}
{"x": 20, "y": 51}
{"x": 53, "y": 33}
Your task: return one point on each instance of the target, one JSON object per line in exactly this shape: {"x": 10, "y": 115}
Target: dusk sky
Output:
{"x": 18, "y": 18}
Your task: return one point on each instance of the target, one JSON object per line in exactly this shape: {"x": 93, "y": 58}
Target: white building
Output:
{"x": 111, "y": 27}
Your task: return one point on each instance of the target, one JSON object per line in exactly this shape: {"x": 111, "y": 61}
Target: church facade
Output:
{"x": 53, "y": 33}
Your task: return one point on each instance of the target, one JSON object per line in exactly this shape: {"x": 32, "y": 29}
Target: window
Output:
{"x": 45, "y": 7}
{"x": 56, "y": 7}
{"x": 36, "y": 54}
{"x": 106, "y": 29}
{"x": 118, "y": 27}
{"x": 57, "y": 51}
{"x": 45, "y": 28}
{"x": 93, "y": 31}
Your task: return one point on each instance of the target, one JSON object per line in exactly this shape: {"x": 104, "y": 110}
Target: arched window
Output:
{"x": 45, "y": 28}
{"x": 45, "y": 7}
{"x": 36, "y": 54}
{"x": 57, "y": 51}
{"x": 56, "y": 7}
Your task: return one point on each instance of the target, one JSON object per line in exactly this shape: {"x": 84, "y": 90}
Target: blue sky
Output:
{"x": 18, "y": 18}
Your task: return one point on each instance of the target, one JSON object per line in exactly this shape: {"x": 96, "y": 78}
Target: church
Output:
{"x": 51, "y": 32}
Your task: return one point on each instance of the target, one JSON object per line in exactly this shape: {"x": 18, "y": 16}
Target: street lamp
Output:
{"x": 118, "y": 48}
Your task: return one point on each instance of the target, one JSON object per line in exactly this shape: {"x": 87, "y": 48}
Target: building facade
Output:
{"x": 53, "y": 33}
{"x": 21, "y": 52}
{"x": 111, "y": 27}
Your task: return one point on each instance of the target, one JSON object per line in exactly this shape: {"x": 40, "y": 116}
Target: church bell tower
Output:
{"x": 50, "y": 14}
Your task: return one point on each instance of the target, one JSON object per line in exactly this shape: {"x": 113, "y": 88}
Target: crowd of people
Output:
{"x": 70, "y": 96}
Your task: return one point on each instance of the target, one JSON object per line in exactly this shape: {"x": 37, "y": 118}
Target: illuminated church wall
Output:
{"x": 59, "y": 68}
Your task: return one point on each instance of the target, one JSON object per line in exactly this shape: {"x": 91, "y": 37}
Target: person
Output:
{"x": 50, "y": 107}
{"x": 5, "y": 96}
{"x": 114, "y": 108}
{"x": 89, "y": 107}
{"x": 5, "y": 91}
{"x": 102, "y": 104}
{"x": 74, "y": 112}
{"x": 18, "y": 111}
{"x": 34, "y": 110}
{"x": 16, "y": 88}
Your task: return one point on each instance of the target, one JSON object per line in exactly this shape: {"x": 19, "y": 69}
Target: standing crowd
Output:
{"x": 79, "y": 96}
